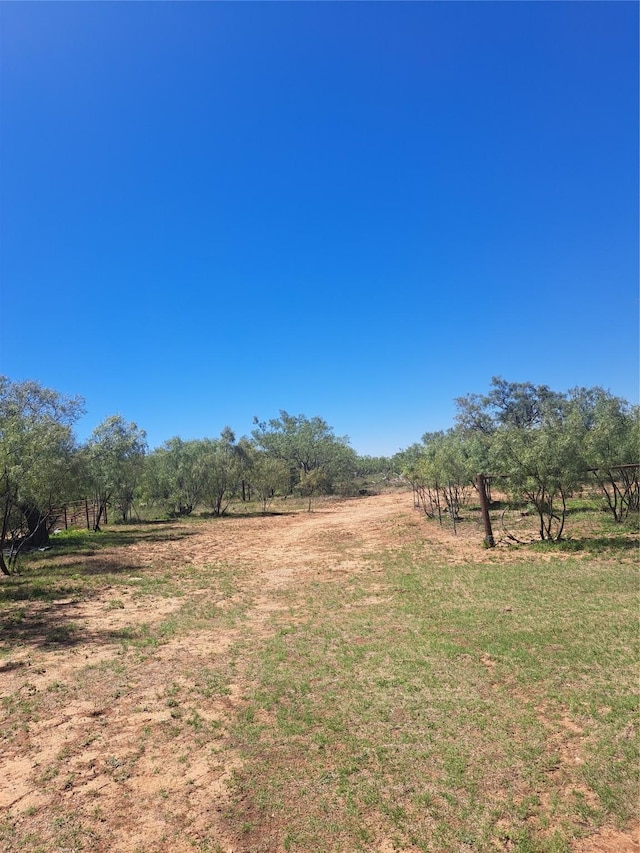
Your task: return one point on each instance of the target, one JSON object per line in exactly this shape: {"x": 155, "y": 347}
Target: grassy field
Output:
{"x": 354, "y": 679}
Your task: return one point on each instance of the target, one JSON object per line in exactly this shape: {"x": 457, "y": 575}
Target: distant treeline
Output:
{"x": 543, "y": 443}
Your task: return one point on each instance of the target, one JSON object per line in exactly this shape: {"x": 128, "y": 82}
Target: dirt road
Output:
{"x": 89, "y": 760}
{"x": 118, "y": 704}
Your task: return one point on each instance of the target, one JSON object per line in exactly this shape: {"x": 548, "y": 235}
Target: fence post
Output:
{"x": 484, "y": 507}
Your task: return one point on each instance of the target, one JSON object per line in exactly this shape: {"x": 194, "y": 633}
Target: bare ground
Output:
{"x": 91, "y": 758}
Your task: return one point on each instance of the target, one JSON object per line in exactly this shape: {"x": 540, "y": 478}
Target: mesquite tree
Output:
{"x": 318, "y": 460}
{"x": 224, "y": 465}
{"x": 37, "y": 463}
{"x": 175, "y": 475}
{"x": 268, "y": 476}
{"x": 611, "y": 447}
{"x": 114, "y": 458}
{"x": 441, "y": 471}
{"x": 543, "y": 463}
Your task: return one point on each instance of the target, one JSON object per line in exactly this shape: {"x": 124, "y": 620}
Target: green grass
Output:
{"x": 438, "y": 716}
{"x": 79, "y": 541}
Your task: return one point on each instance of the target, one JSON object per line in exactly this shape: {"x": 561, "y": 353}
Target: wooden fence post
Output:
{"x": 484, "y": 507}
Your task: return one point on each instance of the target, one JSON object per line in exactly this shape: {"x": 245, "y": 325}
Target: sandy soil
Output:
{"x": 89, "y": 770}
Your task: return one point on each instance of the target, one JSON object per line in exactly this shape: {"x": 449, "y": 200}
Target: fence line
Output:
{"x": 628, "y": 492}
{"x": 75, "y": 514}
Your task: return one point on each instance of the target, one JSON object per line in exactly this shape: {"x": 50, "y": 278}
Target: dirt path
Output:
{"x": 120, "y": 746}
{"x": 92, "y": 747}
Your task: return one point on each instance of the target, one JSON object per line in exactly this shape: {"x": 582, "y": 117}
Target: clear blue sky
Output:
{"x": 361, "y": 211}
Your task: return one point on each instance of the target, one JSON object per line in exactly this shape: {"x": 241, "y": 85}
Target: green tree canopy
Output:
{"x": 36, "y": 458}
{"x": 544, "y": 463}
{"x": 307, "y": 445}
{"x": 225, "y": 462}
{"x": 516, "y": 404}
{"x": 175, "y": 475}
{"x": 268, "y": 476}
{"x": 114, "y": 459}
{"x": 611, "y": 444}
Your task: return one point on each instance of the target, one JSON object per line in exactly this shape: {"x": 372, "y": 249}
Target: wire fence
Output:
{"x": 615, "y": 490}
{"x": 76, "y": 514}
{"x": 506, "y": 516}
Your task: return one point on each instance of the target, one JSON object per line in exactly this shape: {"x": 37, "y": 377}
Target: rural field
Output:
{"x": 355, "y": 678}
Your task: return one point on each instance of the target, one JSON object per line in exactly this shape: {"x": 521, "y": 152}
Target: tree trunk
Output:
{"x": 37, "y": 526}
{"x": 3, "y": 537}
{"x": 98, "y": 517}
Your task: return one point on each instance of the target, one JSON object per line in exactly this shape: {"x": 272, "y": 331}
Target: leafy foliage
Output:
{"x": 268, "y": 476}
{"x": 317, "y": 459}
{"x": 612, "y": 439}
{"x": 175, "y": 475}
{"x": 114, "y": 455}
{"x": 224, "y": 464}
{"x": 543, "y": 445}
{"x": 36, "y": 461}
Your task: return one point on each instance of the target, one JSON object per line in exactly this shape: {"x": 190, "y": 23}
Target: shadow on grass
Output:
{"x": 74, "y": 541}
{"x": 47, "y": 626}
{"x": 53, "y": 627}
{"x": 254, "y": 513}
{"x": 97, "y": 565}
{"x": 61, "y": 580}
{"x": 38, "y": 606}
